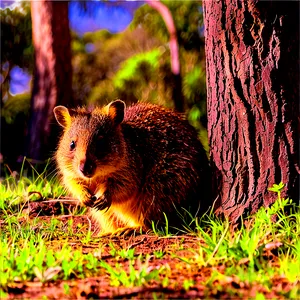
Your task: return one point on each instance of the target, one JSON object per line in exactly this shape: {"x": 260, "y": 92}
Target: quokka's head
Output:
{"x": 92, "y": 143}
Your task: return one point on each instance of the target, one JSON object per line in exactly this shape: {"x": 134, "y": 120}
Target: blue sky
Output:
{"x": 20, "y": 81}
{"x": 113, "y": 15}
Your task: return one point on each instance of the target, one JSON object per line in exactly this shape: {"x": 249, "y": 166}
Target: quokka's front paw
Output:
{"x": 101, "y": 203}
{"x": 87, "y": 198}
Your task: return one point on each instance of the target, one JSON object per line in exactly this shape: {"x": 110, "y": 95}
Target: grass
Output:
{"x": 139, "y": 273}
{"x": 260, "y": 254}
{"x": 17, "y": 189}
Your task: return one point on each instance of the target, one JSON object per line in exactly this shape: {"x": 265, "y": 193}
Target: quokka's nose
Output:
{"x": 87, "y": 168}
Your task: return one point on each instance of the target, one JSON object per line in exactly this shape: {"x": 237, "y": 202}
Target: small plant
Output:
{"x": 162, "y": 231}
{"x": 138, "y": 275}
{"x": 123, "y": 253}
{"x": 188, "y": 283}
{"x": 66, "y": 289}
{"x": 159, "y": 254}
{"x": 277, "y": 188}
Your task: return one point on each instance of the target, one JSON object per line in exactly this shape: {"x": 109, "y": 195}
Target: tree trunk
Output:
{"x": 252, "y": 63}
{"x": 174, "y": 53}
{"x": 52, "y": 83}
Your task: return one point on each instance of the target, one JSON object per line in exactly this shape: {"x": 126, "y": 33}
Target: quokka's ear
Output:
{"x": 115, "y": 111}
{"x": 62, "y": 116}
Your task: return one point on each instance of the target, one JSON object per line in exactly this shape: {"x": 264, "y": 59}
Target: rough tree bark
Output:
{"x": 252, "y": 62}
{"x": 52, "y": 82}
{"x": 174, "y": 52}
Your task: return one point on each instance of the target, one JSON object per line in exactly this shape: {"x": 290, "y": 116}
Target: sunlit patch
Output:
{"x": 123, "y": 215}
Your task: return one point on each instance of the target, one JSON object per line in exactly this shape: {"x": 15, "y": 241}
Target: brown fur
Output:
{"x": 132, "y": 166}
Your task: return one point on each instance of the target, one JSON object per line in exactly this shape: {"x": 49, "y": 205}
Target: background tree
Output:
{"x": 174, "y": 53}
{"x": 252, "y": 56}
{"x": 52, "y": 82}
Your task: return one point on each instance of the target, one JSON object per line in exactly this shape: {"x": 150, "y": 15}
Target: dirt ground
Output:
{"x": 174, "y": 248}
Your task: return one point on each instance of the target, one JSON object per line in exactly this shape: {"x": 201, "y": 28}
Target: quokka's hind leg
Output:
{"x": 170, "y": 202}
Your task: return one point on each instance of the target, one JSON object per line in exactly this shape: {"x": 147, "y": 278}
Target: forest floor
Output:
{"x": 144, "y": 266}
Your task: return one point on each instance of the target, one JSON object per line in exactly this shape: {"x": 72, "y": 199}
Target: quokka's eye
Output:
{"x": 72, "y": 145}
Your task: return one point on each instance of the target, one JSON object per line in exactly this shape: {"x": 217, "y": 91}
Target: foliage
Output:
{"x": 140, "y": 64}
{"x": 94, "y": 70}
{"x": 194, "y": 85}
{"x": 188, "y": 20}
{"x": 119, "y": 66}
{"x": 16, "y": 107}
{"x": 194, "y": 91}
{"x": 145, "y": 71}
{"x": 139, "y": 78}
{"x": 14, "y": 116}
{"x": 16, "y": 41}
{"x": 16, "y": 50}
{"x": 16, "y": 46}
